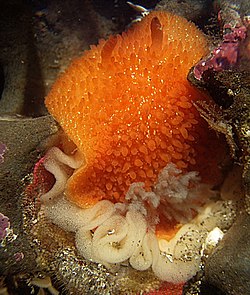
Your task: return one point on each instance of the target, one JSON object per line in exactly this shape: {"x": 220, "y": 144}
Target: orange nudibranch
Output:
{"x": 128, "y": 107}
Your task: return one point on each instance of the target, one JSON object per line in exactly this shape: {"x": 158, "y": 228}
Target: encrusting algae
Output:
{"x": 135, "y": 169}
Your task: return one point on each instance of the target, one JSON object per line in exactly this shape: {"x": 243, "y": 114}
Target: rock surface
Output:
{"x": 37, "y": 41}
{"x": 228, "y": 268}
{"x": 22, "y": 138}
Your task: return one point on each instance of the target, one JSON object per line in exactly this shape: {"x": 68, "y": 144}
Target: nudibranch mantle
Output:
{"x": 127, "y": 106}
{"x": 133, "y": 172}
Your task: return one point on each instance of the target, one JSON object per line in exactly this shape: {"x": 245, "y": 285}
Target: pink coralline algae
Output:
{"x": 226, "y": 54}
{"x": 19, "y": 256}
{"x": 233, "y": 19}
{"x": 7, "y": 234}
{"x": 4, "y": 226}
{"x": 42, "y": 180}
{"x": 3, "y": 149}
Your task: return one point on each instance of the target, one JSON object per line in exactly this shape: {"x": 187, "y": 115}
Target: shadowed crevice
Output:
{"x": 34, "y": 91}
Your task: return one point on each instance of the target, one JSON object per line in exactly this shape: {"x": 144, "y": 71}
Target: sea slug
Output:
{"x": 136, "y": 166}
